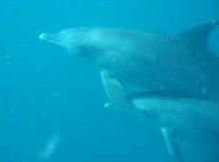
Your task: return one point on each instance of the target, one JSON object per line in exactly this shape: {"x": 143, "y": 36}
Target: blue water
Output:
{"x": 51, "y": 106}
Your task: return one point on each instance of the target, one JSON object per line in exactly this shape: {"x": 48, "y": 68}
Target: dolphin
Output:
{"x": 171, "y": 78}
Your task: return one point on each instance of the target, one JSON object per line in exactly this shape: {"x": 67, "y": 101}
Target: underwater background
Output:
{"x": 51, "y": 105}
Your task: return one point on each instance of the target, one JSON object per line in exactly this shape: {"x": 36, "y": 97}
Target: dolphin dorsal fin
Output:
{"x": 199, "y": 34}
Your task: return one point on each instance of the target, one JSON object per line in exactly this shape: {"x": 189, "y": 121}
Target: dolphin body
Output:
{"x": 172, "y": 79}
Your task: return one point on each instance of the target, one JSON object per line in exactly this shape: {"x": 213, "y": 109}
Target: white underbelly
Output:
{"x": 190, "y": 118}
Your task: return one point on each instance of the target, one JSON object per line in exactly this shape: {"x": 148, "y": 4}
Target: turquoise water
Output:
{"x": 51, "y": 105}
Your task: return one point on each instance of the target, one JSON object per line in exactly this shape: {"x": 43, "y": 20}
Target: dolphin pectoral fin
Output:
{"x": 114, "y": 90}
{"x": 172, "y": 145}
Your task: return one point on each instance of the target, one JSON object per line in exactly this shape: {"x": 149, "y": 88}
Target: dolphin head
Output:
{"x": 93, "y": 42}
{"x": 75, "y": 40}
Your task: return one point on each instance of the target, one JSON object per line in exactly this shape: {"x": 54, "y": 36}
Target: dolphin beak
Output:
{"x": 43, "y": 36}
{"x": 52, "y": 38}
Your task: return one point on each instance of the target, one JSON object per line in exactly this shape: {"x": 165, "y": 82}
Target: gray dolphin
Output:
{"x": 173, "y": 79}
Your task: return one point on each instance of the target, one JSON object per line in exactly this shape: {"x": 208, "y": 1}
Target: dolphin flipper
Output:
{"x": 113, "y": 90}
{"x": 172, "y": 145}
